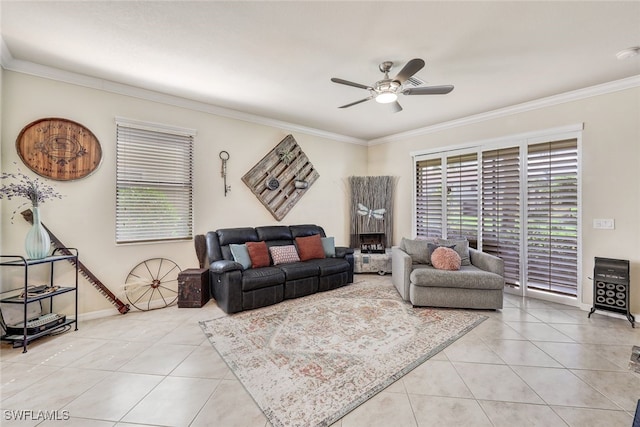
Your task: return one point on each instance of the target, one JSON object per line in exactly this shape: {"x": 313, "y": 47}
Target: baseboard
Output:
{"x": 98, "y": 314}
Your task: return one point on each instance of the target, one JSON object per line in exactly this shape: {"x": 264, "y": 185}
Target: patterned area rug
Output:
{"x": 309, "y": 361}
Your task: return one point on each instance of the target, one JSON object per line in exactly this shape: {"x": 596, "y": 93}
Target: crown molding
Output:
{"x": 601, "y": 89}
{"x": 11, "y": 64}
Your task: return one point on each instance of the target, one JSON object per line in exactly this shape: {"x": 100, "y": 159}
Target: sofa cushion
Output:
{"x": 444, "y": 258}
{"x": 259, "y": 254}
{"x": 299, "y": 270}
{"x": 310, "y": 247}
{"x": 256, "y": 278}
{"x": 306, "y": 230}
{"x": 417, "y": 250}
{"x": 284, "y": 254}
{"x": 274, "y": 232}
{"x": 329, "y": 266}
{"x": 468, "y": 277}
{"x": 241, "y": 255}
{"x": 461, "y": 246}
{"x": 227, "y": 236}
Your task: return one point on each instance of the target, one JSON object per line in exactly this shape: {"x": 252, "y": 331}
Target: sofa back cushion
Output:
{"x": 306, "y": 230}
{"x": 239, "y": 236}
{"x": 417, "y": 249}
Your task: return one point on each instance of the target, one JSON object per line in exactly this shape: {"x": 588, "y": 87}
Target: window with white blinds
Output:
{"x": 428, "y": 200}
{"x": 154, "y": 174}
{"x": 552, "y": 216}
{"x": 519, "y": 201}
{"x": 500, "y": 209}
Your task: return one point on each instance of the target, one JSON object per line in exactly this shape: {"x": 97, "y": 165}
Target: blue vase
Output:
{"x": 37, "y": 243}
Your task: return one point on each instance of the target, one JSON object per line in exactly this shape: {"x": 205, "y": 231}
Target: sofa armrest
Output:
{"x": 342, "y": 251}
{"x": 223, "y": 265}
{"x": 347, "y": 254}
{"x": 401, "y": 271}
{"x": 486, "y": 262}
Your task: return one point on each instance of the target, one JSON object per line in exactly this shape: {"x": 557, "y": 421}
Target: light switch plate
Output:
{"x": 604, "y": 224}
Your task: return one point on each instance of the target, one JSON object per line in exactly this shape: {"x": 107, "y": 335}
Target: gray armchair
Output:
{"x": 479, "y": 285}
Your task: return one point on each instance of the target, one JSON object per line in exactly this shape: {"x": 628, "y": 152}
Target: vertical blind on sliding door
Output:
{"x": 462, "y": 197}
{"x": 552, "y": 216}
{"x": 501, "y": 209}
{"x": 428, "y": 196}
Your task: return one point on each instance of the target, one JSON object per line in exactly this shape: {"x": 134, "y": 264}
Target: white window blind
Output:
{"x": 154, "y": 174}
{"x": 462, "y": 197}
{"x": 501, "y": 209}
{"x": 552, "y": 216}
{"x": 429, "y": 198}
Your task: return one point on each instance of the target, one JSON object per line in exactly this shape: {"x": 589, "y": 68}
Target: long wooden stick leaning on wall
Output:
{"x": 91, "y": 278}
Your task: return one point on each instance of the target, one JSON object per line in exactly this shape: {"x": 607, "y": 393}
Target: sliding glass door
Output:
{"x": 518, "y": 202}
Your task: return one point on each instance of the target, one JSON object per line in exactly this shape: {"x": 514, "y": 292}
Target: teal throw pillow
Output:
{"x": 329, "y": 246}
{"x": 241, "y": 255}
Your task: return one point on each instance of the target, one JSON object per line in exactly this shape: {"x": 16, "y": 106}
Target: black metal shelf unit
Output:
{"x": 22, "y": 296}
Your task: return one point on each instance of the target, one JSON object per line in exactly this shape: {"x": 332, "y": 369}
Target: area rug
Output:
{"x": 309, "y": 361}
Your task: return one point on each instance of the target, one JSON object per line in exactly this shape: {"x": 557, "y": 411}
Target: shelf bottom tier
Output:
{"x": 19, "y": 340}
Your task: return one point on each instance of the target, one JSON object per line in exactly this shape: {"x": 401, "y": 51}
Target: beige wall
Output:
{"x": 85, "y": 218}
{"x": 610, "y": 165}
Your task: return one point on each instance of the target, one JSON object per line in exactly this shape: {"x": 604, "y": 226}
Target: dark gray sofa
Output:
{"x": 235, "y": 289}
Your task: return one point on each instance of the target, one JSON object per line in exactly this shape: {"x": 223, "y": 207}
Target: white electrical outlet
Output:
{"x": 604, "y": 224}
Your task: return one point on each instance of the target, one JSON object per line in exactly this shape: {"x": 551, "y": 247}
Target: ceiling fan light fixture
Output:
{"x": 386, "y": 97}
{"x": 628, "y": 53}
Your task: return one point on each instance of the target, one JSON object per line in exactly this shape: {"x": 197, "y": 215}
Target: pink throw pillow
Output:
{"x": 444, "y": 258}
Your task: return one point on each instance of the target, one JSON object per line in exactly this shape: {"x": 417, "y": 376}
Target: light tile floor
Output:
{"x": 533, "y": 363}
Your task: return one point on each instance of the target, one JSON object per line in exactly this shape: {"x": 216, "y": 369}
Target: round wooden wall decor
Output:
{"x": 59, "y": 149}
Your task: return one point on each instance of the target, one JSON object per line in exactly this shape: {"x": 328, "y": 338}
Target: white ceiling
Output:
{"x": 275, "y": 59}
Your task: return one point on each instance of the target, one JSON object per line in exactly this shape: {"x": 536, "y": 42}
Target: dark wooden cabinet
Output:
{"x": 193, "y": 287}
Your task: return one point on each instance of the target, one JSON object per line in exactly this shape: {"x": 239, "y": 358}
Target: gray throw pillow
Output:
{"x": 433, "y": 246}
{"x": 461, "y": 247}
{"x": 241, "y": 255}
{"x": 417, "y": 250}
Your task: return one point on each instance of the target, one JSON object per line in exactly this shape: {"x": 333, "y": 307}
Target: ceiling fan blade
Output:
{"x": 348, "y": 83}
{"x": 429, "y": 90}
{"x": 357, "y": 102}
{"x": 410, "y": 69}
{"x": 396, "y": 107}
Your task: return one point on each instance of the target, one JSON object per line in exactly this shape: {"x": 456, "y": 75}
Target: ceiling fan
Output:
{"x": 386, "y": 91}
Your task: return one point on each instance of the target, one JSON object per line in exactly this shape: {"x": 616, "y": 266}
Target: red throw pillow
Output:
{"x": 259, "y": 254}
{"x": 310, "y": 247}
{"x": 444, "y": 258}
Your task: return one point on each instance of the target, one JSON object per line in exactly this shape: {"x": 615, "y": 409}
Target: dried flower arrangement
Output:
{"x": 34, "y": 190}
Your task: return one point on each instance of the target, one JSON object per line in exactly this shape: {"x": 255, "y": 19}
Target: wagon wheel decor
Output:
{"x": 152, "y": 284}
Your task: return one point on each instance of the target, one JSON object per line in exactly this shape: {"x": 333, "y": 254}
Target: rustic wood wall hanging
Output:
{"x": 282, "y": 177}
{"x": 59, "y": 149}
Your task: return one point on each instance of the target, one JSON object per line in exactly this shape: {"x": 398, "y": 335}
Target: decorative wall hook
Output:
{"x": 224, "y": 156}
